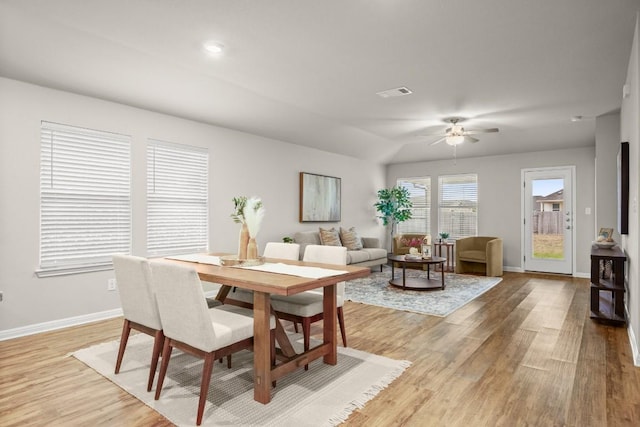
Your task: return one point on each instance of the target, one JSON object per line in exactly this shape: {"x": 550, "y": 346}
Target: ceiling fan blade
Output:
{"x": 438, "y": 141}
{"x": 476, "y": 131}
{"x": 471, "y": 139}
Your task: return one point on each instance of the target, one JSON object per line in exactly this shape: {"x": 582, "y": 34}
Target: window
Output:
{"x": 555, "y": 207}
{"x": 177, "y": 203}
{"x": 85, "y": 198}
{"x": 458, "y": 205}
{"x": 420, "y": 194}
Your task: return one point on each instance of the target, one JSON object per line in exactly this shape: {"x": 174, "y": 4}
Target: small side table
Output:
{"x": 448, "y": 249}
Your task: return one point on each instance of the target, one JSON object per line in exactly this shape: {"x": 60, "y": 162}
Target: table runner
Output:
{"x": 296, "y": 270}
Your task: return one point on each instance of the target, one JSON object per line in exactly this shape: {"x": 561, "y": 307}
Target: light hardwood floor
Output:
{"x": 523, "y": 354}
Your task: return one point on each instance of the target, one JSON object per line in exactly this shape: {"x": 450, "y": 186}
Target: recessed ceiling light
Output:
{"x": 214, "y": 48}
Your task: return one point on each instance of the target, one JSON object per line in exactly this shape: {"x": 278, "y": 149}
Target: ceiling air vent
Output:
{"x": 399, "y": 91}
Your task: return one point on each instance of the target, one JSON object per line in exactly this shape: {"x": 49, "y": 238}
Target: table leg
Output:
{"x": 428, "y": 271}
{"x": 222, "y": 293}
{"x": 330, "y": 328}
{"x": 442, "y": 270}
{"x": 261, "y": 347}
{"x": 404, "y": 271}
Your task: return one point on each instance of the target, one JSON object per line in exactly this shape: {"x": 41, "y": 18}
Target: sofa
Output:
{"x": 480, "y": 255}
{"x": 371, "y": 254}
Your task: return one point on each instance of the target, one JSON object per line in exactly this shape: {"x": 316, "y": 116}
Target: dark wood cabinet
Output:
{"x": 607, "y": 285}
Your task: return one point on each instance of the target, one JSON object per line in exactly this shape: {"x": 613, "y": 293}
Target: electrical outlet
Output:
{"x": 111, "y": 284}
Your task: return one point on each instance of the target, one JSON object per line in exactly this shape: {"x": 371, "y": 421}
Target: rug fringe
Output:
{"x": 369, "y": 394}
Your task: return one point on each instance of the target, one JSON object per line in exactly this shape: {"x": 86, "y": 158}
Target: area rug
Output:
{"x": 459, "y": 290}
{"x": 324, "y": 395}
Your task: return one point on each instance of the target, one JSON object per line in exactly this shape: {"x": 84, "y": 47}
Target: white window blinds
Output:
{"x": 420, "y": 195}
{"x": 85, "y": 203}
{"x": 458, "y": 205}
{"x": 177, "y": 203}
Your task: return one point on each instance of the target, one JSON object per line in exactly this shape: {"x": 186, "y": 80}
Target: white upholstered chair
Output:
{"x": 307, "y": 307}
{"x": 139, "y": 307}
{"x": 192, "y": 327}
{"x": 290, "y": 251}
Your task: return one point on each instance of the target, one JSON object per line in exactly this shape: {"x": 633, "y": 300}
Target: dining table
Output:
{"x": 278, "y": 277}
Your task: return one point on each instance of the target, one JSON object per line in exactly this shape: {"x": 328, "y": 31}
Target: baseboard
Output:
{"x": 634, "y": 345}
{"x": 58, "y": 324}
{"x": 513, "y": 269}
{"x": 582, "y": 275}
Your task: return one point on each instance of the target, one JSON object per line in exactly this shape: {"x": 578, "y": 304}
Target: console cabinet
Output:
{"x": 607, "y": 285}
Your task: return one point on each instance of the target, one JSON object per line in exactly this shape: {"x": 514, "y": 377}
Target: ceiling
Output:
{"x": 307, "y": 71}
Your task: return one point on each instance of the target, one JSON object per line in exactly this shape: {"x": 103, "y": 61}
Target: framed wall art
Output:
{"x": 319, "y": 198}
{"x": 623, "y": 188}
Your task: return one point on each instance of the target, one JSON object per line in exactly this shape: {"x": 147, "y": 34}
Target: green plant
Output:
{"x": 238, "y": 209}
{"x": 394, "y": 206}
{"x": 444, "y": 235}
{"x": 287, "y": 239}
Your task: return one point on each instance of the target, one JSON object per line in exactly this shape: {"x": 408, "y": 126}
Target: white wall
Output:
{"x": 240, "y": 164}
{"x": 499, "y": 195}
{"x": 607, "y": 147}
{"x": 630, "y": 131}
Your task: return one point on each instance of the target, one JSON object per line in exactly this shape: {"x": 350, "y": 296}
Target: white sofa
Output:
{"x": 371, "y": 255}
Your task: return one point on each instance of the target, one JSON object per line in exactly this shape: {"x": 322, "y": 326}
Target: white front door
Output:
{"x": 547, "y": 197}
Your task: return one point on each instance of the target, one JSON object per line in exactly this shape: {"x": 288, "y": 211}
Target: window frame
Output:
{"x": 184, "y": 196}
{"x": 406, "y": 226}
{"x": 472, "y": 205}
{"x": 85, "y": 199}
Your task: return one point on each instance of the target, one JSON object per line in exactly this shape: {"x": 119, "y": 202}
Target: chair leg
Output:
{"x": 166, "y": 355}
{"x": 158, "y": 343}
{"x": 229, "y": 361}
{"x": 126, "y": 329}
{"x": 295, "y": 326}
{"x": 273, "y": 353}
{"x": 306, "y": 332}
{"x": 341, "y": 322}
{"x": 207, "y": 369}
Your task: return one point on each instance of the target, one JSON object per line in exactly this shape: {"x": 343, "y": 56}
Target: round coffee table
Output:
{"x": 417, "y": 283}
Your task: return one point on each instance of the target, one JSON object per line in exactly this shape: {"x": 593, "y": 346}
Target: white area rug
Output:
{"x": 459, "y": 290}
{"x": 324, "y": 395}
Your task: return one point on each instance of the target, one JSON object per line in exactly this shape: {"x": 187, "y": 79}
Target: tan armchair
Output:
{"x": 479, "y": 255}
{"x": 400, "y": 248}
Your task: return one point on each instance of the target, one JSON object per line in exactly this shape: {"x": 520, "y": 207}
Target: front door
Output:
{"x": 548, "y": 220}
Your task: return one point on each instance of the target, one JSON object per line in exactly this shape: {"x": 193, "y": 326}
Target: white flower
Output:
{"x": 253, "y": 215}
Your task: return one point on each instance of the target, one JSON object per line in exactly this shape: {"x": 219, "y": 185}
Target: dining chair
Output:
{"x": 288, "y": 251}
{"x": 133, "y": 276}
{"x": 192, "y": 327}
{"x": 307, "y": 307}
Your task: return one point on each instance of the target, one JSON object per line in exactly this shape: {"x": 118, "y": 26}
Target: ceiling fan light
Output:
{"x": 454, "y": 139}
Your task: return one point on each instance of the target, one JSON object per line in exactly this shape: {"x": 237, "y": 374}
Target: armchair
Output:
{"x": 479, "y": 254}
{"x": 401, "y": 247}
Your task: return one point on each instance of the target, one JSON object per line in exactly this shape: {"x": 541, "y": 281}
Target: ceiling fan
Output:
{"x": 456, "y": 134}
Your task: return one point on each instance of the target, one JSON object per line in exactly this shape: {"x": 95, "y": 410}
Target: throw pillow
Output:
{"x": 350, "y": 239}
{"x": 330, "y": 237}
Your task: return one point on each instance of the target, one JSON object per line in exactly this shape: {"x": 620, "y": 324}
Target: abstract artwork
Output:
{"x": 319, "y": 198}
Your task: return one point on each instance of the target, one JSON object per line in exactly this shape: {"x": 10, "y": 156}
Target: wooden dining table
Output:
{"x": 263, "y": 284}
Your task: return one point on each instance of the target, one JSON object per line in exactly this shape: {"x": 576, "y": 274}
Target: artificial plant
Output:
{"x": 394, "y": 205}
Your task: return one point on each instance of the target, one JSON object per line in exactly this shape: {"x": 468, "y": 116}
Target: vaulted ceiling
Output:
{"x": 307, "y": 71}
